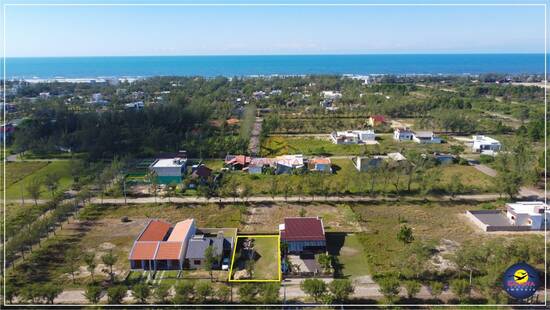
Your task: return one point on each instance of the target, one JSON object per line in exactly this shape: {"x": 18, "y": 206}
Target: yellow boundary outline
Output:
{"x": 278, "y": 258}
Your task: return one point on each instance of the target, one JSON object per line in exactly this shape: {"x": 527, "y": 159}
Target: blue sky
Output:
{"x": 33, "y": 31}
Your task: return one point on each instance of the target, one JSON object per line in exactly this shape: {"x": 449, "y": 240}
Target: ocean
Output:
{"x": 210, "y": 66}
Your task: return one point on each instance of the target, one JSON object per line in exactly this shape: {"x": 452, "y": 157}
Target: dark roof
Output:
{"x": 197, "y": 246}
{"x": 203, "y": 171}
{"x": 303, "y": 229}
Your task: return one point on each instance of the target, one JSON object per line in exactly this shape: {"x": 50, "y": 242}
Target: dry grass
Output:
{"x": 267, "y": 217}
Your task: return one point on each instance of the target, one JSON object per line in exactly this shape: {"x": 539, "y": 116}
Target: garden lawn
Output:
{"x": 266, "y": 267}
{"x": 61, "y": 167}
{"x": 16, "y": 171}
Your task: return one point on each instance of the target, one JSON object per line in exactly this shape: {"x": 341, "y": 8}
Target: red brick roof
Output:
{"x": 169, "y": 250}
{"x": 144, "y": 250}
{"x": 379, "y": 118}
{"x": 303, "y": 229}
{"x": 155, "y": 231}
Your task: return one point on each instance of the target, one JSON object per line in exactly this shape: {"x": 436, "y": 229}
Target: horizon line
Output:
{"x": 287, "y": 54}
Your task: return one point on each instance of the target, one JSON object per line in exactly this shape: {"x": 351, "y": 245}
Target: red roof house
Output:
{"x": 376, "y": 120}
{"x": 303, "y": 234}
{"x": 155, "y": 231}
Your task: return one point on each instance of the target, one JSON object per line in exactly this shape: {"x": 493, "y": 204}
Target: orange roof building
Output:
{"x": 161, "y": 246}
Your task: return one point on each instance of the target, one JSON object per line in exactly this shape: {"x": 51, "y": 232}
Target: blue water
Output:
{"x": 94, "y": 67}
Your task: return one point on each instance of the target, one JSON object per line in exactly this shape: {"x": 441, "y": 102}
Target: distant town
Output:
{"x": 321, "y": 189}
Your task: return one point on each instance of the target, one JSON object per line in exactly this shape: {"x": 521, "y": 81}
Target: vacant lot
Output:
{"x": 351, "y": 256}
{"x": 211, "y": 215}
{"x": 21, "y": 174}
{"x": 432, "y": 222}
{"x": 267, "y": 217}
{"x": 347, "y": 180}
{"x": 279, "y": 145}
{"x": 264, "y": 264}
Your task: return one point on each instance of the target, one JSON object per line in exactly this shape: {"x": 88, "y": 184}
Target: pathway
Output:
{"x": 254, "y": 146}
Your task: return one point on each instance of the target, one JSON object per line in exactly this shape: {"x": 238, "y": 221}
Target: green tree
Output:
{"x": 210, "y": 259}
{"x": 52, "y": 182}
{"x": 455, "y": 186}
{"x": 461, "y": 288}
{"x": 247, "y": 292}
{"x": 389, "y": 287}
{"x": 269, "y": 293}
{"x": 89, "y": 259}
{"x": 93, "y": 293}
{"x": 325, "y": 261}
{"x": 184, "y": 291}
{"x": 405, "y": 234}
{"x": 50, "y": 292}
{"x": 412, "y": 287}
{"x": 223, "y": 293}
{"x": 72, "y": 258}
{"x": 436, "y": 288}
{"x": 141, "y": 292}
{"x": 33, "y": 189}
{"x": 315, "y": 288}
{"x": 203, "y": 291}
{"x": 109, "y": 259}
{"x": 341, "y": 289}
{"x": 116, "y": 294}
{"x": 161, "y": 293}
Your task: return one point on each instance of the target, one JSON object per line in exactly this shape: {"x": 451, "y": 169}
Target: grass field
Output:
{"x": 350, "y": 254}
{"x": 21, "y": 174}
{"x": 432, "y": 222}
{"x": 266, "y": 266}
{"x": 266, "y": 217}
{"x": 280, "y": 145}
{"x": 347, "y": 180}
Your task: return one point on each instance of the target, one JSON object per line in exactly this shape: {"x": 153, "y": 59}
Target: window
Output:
{"x": 197, "y": 262}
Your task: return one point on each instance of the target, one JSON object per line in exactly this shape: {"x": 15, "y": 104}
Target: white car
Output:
{"x": 225, "y": 264}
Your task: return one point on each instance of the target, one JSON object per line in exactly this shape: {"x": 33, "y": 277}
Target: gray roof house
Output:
{"x": 194, "y": 257}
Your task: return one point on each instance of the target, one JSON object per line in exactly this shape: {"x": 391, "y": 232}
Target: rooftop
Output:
{"x": 155, "y": 231}
{"x": 302, "y": 229}
{"x": 169, "y": 162}
{"x": 144, "y": 250}
{"x": 181, "y": 230}
{"x": 527, "y": 207}
{"x": 169, "y": 250}
{"x": 482, "y": 138}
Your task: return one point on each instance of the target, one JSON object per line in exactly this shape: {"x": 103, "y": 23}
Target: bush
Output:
{"x": 486, "y": 159}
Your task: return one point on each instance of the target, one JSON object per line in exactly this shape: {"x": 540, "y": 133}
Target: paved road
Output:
{"x": 142, "y": 200}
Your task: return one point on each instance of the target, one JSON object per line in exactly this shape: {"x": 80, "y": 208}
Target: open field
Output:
{"x": 350, "y": 254}
{"x": 347, "y": 180}
{"x": 280, "y": 145}
{"x": 265, "y": 261}
{"x": 433, "y": 222}
{"x": 267, "y": 217}
{"x": 21, "y": 174}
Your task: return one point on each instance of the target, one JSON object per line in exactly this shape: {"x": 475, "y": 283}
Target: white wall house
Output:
{"x": 331, "y": 94}
{"x": 352, "y": 136}
{"x": 169, "y": 170}
{"x": 403, "y": 134}
{"x": 425, "y": 137}
{"x": 485, "y": 145}
{"x": 527, "y": 213}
